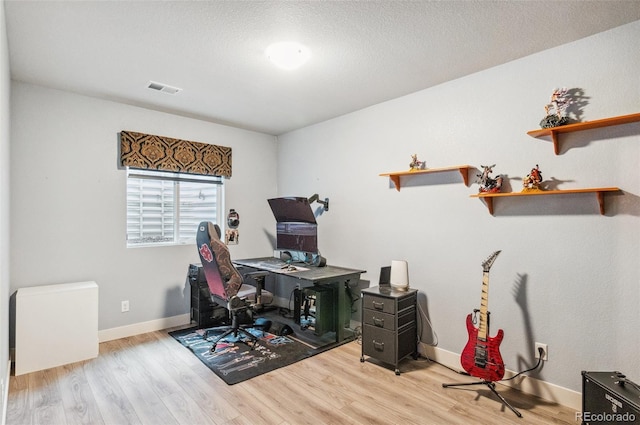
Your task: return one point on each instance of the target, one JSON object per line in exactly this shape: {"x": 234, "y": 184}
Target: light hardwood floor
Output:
{"x": 151, "y": 379}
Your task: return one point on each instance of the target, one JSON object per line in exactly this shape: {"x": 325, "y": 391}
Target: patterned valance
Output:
{"x": 149, "y": 152}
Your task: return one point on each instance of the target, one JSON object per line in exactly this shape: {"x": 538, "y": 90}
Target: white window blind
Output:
{"x": 166, "y": 208}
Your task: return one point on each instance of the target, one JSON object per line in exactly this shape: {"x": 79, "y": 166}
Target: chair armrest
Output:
{"x": 259, "y": 277}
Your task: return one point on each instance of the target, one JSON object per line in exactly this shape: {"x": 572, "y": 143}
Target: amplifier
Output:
{"x": 609, "y": 398}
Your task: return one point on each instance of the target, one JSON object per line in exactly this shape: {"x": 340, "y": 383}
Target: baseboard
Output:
{"x": 143, "y": 327}
{"x": 5, "y": 394}
{"x": 536, "y": 387}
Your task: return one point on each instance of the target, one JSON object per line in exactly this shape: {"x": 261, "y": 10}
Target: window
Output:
{"x": 165, "y": 208}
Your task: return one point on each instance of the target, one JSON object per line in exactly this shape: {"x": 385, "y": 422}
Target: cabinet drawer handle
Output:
{"x": 378, "y": 306}
{"x": 378, "y": 345}
{"x": 378, "y": 322}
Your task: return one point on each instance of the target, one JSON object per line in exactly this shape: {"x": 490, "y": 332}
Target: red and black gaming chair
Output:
{"x": 226, "y": 283}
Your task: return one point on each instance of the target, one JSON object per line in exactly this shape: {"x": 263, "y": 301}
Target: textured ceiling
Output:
{"x": 363, "y": 52}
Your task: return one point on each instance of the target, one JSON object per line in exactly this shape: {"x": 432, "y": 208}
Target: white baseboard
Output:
{"x": 143, "y": 327}
{"x": 544, "y": 390}
{"x": 5, "y": 394}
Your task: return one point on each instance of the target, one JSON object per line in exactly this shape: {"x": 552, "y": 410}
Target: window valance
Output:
{"x": 149, "y": 152}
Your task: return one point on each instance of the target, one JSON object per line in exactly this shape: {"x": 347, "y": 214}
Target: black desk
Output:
{"x": 340, "y": 278}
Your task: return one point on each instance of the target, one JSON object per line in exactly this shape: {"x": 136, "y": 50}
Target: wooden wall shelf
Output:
{"x": 488, "y": 197}
{"x": 395, "y": 176}
{"x": 569, "y": 128}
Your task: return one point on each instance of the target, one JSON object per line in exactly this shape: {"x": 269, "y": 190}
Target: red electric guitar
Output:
{"x": 481, "y": 356}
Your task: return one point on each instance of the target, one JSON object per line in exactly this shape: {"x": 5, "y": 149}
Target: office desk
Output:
{"x": 338, "y": 277}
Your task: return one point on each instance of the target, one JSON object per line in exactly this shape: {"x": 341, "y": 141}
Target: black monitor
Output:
{"x": 296, "y": 228}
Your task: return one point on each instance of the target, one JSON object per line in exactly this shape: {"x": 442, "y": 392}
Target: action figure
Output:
{"x": 556, "y": 109}
{"x": 416, "y": 165}
{"x": 488, "y": 184}
{"x": 533, "y": 180}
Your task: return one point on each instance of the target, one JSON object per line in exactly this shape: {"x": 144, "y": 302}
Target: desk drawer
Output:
{"x": 389, "y": 346}
{"x": 382, "y": 304}
{"x": 379, "y": 320}
{"x": 379, "y": 343}
{"x": 388, "y": 321}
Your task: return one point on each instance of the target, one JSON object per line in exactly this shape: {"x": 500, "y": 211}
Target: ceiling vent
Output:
{"x": 164, "y": 88}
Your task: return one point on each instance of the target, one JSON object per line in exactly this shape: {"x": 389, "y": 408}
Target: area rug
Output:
{"x": 235, "y": 361}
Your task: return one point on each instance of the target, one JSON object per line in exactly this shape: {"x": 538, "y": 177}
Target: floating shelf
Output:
{"x": 395, "y": 177}
{"x": 488, "y": 197}
{"x": 570, "y": 128}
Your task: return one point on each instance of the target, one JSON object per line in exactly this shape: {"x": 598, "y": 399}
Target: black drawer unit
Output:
{"x": 609, "y": 398}
{"x": 204, "y": 312}
{"x": 389, "y": 329}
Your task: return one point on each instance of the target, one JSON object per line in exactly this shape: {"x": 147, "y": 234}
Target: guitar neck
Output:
{"x": 483, "y": 326}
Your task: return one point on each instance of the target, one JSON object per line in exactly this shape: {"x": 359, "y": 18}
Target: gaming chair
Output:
{"x": 226, "y": 283}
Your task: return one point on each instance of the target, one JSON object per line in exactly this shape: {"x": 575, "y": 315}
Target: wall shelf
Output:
{"x": 570, "y": 128}
{"x": 395, "y": 176}
{"x": 488, "y": 197}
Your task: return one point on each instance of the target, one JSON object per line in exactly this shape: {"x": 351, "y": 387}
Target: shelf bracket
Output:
{"x": 600, "y": 196}
{"x": 489, "y": 202}
{"x": 395, "y": 178}
{"x": 554, "y": 139}
{"x": 465, "y": 175}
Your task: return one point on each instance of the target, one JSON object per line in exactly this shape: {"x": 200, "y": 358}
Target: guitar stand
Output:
{"x": 492, "y": 387}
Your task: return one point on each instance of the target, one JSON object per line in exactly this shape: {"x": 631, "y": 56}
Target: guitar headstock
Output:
{"x": 486, "y": 264}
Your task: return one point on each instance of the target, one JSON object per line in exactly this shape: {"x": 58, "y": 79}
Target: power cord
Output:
{"x": 540, "y": 353}
{"x": 434, "y": 342}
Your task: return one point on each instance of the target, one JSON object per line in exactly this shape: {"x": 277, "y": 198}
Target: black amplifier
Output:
{"x": 609, "y": 398}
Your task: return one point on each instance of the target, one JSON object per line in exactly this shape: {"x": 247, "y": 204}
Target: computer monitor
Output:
{"x": 292, "y": 209}
{"x": 292, "y": 236}
{"x": 296, "y": 228}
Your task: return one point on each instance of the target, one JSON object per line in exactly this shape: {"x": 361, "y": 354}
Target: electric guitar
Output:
{"x": 481, "y": 356}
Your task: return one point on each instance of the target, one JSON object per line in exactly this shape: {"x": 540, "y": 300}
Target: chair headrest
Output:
{"x": 217, "y": 230}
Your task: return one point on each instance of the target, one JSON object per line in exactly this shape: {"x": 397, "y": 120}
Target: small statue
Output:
{"x": 415, "y": 164}
{"x": 556, "y": 109}
{"x": 533, "y": 180}
{"x": 488, "y": 184}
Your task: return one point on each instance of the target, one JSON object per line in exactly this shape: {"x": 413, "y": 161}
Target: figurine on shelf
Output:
{"x": 532, "y": 182}
{"x": 556, "y": 109}
{"x": 415, "y": 164}
{"x": 487, "y": 183}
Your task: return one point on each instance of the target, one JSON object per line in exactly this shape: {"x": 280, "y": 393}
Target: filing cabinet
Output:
{"x": 389, "y": 328}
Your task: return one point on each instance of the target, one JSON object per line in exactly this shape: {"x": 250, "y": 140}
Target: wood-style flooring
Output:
{"x": 151, "y": 379}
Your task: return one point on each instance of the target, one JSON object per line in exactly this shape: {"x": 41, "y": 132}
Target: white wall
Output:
{"x": 68, "y": 201}
{"x": 5, "y": 90}
{"x": 567, "y": 276}
{"x": 575, "y": 273}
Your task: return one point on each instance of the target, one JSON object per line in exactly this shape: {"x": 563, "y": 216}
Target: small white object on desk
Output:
{"x": 399, "y": 279}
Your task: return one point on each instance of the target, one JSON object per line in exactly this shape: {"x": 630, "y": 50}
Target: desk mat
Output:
{"x": 235, "y": 361}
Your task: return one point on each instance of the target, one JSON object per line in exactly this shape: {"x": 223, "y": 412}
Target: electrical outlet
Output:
{"x": 545, "y": 351}
{"x": 124, "y": 306}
